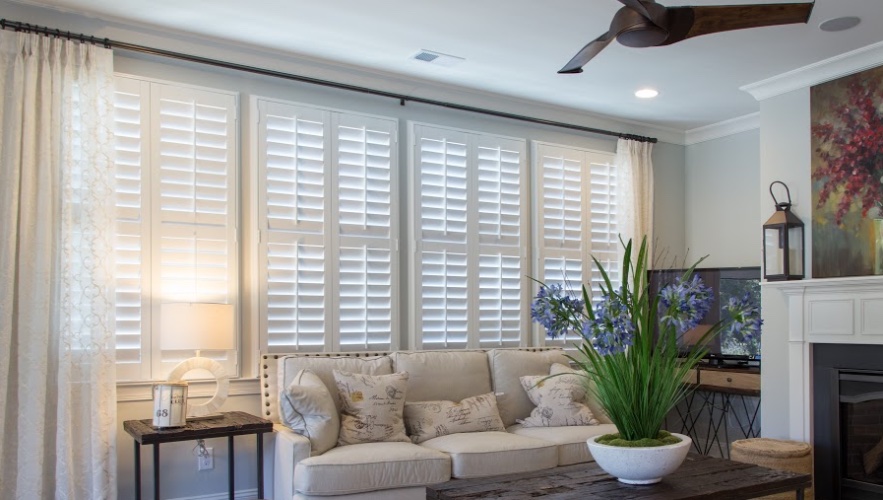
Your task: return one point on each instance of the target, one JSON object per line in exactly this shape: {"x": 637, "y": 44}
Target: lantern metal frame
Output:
{"x": 783, "y": 220}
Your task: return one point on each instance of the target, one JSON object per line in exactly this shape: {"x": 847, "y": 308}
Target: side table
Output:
{"x": 228, "y": 424}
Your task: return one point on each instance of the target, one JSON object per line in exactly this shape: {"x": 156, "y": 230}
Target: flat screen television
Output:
{"x": 725, "y": 282}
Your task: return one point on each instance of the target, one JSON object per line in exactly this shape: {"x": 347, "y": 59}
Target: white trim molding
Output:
{"x": 143, "y": 391}
{"x": 823, "y": 71}
{"x": 722, "y": 129}
{"x": 830, "y": 311}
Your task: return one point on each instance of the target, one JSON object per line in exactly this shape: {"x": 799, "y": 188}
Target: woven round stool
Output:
{"x": 776, "y": 454}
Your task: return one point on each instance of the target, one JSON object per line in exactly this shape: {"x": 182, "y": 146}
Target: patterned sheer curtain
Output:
{"x": 634, "y": 193}
{"x": 57, "y": 387}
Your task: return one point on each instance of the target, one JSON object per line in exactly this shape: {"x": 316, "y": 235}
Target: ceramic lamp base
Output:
{"x": 210, "y": 407}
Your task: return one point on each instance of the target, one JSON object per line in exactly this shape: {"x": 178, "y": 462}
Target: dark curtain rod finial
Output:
{"x": 131, "y": 47}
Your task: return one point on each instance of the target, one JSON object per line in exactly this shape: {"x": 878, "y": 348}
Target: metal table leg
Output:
{"x": 230, "y": 464}
{"x": 800, "y": 494}
{"x": 137, "y": 470}
{"x": 260, "y": 465}
{"x": 156, "y": 471}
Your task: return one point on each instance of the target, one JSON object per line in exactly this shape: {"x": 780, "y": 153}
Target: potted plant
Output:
{"x": 630, "y": 355}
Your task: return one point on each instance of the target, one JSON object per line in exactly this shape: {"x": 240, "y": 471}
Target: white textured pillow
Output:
{"x": 430, "y": 419}
{"x": 371, "y": 407}
{"x": 307, "y": 407}
{"x": 559, "y": 399}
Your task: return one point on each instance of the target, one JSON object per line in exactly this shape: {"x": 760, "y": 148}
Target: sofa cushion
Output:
{"x": 571, "y": 441}
{"x": 507, "y": 367}
{"x": 559, "y": 398}
{"x": 324, "y": 366}
{"x": 430, "y": 419}
{"x": 444, "y": 375}
{"x": 307, "y": 407}
{"x": 481, "y": 454}
{"x": 370, "y": 466}
{"x": 371, "y": 407}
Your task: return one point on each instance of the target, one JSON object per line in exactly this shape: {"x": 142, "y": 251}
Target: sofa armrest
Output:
{"x": 290, "y": 449}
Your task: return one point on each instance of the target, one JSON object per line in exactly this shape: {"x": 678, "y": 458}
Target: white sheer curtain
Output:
{"x": 634, "y": 202}
{"x": 57, "y": 387}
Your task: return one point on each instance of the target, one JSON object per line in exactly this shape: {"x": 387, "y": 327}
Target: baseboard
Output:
{"x": 239, "y": 494}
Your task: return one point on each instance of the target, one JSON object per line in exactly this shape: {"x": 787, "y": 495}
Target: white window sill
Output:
{"x": 143, "y": 391}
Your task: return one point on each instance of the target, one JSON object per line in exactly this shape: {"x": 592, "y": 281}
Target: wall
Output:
{"x": 178, "y": 464}
{"x": 722, "y": 201}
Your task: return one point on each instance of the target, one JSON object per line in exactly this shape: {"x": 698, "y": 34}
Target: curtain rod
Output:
{"x": 131, "y": 47}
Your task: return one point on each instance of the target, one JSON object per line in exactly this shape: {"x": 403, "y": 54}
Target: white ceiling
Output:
{"x": 515, "y": 47}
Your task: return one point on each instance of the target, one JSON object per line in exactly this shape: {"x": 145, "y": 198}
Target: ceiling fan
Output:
{"x": 645, "y": 23}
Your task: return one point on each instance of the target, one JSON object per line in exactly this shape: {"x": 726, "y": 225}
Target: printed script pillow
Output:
{"x": 371, "y": 407}
{"x": 430, "y": 419}
{"x": 307, "y": 407}
{"x": 559, "y": 399}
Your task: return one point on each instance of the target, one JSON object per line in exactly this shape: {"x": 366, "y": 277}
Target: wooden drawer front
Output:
{"x": 731, "y": 380}
{"x": 692, "y": 377}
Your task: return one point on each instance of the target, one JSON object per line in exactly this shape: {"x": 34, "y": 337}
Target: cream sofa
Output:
{"x": 398, "y": 470}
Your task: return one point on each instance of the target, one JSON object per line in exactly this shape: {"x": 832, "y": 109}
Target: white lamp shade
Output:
{"x": 195, "y": 327}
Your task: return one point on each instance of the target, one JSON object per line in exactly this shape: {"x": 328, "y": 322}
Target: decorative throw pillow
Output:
{"x": 371, "y": 407}
{"x": 559, "y": 399}
{"x": 425, "y": 420}
{"x": 307, "y": 407}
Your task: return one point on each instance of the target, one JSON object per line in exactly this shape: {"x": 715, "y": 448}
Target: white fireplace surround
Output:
{"x": 830, "y": 311}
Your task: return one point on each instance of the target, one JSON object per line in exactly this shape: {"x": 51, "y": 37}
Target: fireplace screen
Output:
{"x": 861, "y": 418}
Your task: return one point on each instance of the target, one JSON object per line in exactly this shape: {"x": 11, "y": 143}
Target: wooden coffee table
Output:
{"x": 699, "y": 477}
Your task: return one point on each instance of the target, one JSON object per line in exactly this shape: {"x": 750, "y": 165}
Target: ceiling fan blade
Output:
{"x": 688, "y": 22}
{"x": 575, "y": 65}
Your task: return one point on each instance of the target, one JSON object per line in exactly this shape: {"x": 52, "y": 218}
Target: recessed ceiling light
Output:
{"x": 840, "y": 23}
{"x": 647, "y": 93}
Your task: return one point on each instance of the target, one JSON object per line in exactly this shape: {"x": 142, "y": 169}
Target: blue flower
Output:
{"x": 685, "y": 303}
{"x": 557, "y": 311}
{"x": 612, "y": 329}
{"x": 745, "y": 318}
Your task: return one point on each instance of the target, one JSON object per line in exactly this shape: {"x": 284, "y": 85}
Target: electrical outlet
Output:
{"x": 206, "y": 462}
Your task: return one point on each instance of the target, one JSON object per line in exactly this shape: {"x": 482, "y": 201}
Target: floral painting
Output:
{"x": 847, "y": 175}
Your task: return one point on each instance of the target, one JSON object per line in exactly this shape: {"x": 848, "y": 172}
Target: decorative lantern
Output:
{"x": 783, "y": 242}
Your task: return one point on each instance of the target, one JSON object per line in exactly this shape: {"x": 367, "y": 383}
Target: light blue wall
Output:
{"x": 723, "y": 201}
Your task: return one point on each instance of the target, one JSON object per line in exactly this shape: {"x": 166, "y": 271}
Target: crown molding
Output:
{"x": 722, "y": 129}
{"x": 823, "y": 71}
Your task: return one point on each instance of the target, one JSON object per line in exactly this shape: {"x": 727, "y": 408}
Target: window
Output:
{"x": 575, "y": 193}
{"x": 328, "y": 226}
{"x": 469, "y": 223}
{"x": 176, "y": 150}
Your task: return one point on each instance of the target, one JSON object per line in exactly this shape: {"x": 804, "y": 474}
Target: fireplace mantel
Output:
{"x": 831, "y": 311}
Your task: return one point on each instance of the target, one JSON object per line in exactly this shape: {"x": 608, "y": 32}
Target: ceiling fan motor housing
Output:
{"x": 635, "y": 30}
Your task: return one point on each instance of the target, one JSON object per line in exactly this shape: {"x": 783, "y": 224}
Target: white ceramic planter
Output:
{"x": 640, "y": 465}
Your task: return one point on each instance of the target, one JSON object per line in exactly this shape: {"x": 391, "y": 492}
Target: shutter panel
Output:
{"x": 577, "y": 207}
{"x": 330, "y": 229}
{"x": 500, "y": 215}
{"x": 366, "y": 271}
{"x": 468, "y": 264}
{"x": 132, "y": 271}
{"x": 293, "y": 159}
{"x": 194, "y": 228}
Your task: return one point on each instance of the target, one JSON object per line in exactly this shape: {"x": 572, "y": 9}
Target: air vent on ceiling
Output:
{"x": 437, "y": 58}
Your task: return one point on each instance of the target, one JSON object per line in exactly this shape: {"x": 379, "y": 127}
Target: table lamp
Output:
{"x": 197, "y": 327}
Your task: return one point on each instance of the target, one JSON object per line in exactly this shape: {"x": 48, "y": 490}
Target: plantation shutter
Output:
{"x": 367, "y": 267}
{"x": 176, "y": 215}
{"x": 193, "y": 144}
{"x": 577, "y": 209}
{"x": 131, "y": 247}
{"x": 469, "y": 225}
{"x": 328, "y": 223}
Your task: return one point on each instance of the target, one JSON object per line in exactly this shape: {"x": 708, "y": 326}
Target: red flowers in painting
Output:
{"x": 851, "y": 150}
